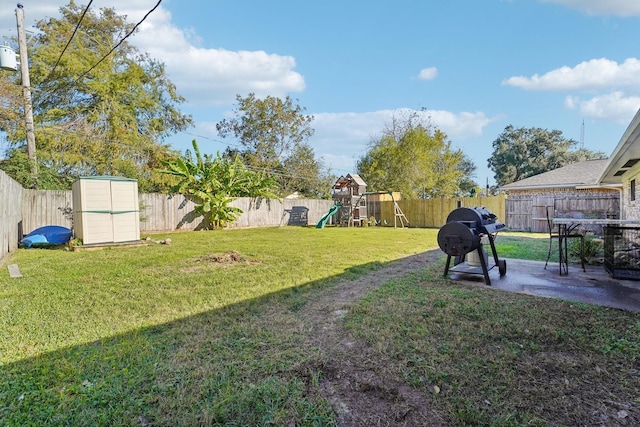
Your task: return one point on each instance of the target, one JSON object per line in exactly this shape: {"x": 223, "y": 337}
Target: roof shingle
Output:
{"x": 576, "y": 174}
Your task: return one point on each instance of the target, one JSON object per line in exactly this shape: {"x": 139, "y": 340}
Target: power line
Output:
{"x": 212, "y": 139}
{"x": 135, "y": 27}
{"x": 241, "y": 146}
{"x": 255, "y": 169}
{"x": 75, "y": 30}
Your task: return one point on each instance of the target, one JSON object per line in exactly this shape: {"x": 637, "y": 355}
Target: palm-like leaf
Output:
{"x": 215, "y": 182}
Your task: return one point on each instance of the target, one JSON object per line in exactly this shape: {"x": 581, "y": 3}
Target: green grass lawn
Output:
{"x": 207, "y": 330}
{"x": 535, "y": 246}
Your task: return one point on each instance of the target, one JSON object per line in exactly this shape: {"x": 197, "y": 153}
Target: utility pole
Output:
{"x": 26, "y": 93}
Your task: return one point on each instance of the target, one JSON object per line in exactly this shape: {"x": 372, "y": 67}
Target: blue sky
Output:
{"x": 475, "y": 67}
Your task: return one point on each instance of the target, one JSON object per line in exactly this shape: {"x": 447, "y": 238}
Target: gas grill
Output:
{"x": 461, "y": 238}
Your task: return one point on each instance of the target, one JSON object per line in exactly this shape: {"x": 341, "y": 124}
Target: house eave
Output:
{"x": 627, "y": 149}
{"x": 577, "y": 186}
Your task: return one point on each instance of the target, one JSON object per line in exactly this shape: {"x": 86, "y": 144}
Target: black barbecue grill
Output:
{"x": 463, "y": 234}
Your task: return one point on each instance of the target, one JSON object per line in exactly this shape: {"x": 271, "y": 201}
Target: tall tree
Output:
{"x": 467, "y": 185}
{"x": 414, "y": 158}
{"x": 519, "y": 153}
{"x": 98, "y": 112}
{"x": 274, "y": 134}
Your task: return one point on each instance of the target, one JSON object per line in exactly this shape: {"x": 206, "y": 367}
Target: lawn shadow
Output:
{"x": 233, "y": 364}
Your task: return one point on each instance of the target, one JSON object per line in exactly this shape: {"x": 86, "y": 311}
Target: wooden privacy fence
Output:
{"x": 528, "y": 212}
{"x": 161, "y": 212}
{"x": 434, "y": 212}
{"x": 11, "y": 195}
{"x": 24, "y": 210}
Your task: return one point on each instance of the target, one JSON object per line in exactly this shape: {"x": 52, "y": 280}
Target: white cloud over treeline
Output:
{"x": 598, "y": 88}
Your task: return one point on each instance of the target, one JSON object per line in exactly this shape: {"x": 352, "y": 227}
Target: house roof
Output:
{"x": 581, "y": 174}
{"x": 625, "y": 155}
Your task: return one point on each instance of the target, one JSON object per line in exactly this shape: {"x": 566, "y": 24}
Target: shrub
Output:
{"x": 592, "y": 247}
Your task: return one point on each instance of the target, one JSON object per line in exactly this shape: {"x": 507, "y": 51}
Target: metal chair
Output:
{"x": 569, "y": 233}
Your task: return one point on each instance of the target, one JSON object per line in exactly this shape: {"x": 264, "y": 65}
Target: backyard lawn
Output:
{"x": 301, "y": 326}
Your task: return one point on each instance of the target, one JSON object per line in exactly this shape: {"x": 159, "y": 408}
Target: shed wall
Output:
{"x": 105, "y": 210}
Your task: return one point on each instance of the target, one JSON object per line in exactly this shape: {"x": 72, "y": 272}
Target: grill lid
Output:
{"x": 456, "y": 239}
{"x": 477, "y": 216}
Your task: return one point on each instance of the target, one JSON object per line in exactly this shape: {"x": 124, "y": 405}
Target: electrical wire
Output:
{"x": 256, "y": 169}
{"x": 264, "y": 170}
{"x": 75, "y": 30}
{"x": 135, "y": 27}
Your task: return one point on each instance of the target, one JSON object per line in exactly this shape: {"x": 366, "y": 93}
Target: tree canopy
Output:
{"x": 467, "y": 186}
{"x": 519, "y": 153}
{"x": 273, "y": 134}
{"x": 95, "y": 112}
{"x": 414, "y": 158}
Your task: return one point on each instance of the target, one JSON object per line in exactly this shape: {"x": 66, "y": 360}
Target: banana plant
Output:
{"x": 214, "y": 182}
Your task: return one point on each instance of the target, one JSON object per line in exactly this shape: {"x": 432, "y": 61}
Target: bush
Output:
{"x": 592, "y": 247}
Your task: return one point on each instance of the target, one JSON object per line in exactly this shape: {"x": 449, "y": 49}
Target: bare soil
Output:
{"x": 225, "y": 258}
{"x": 356, "y": 383}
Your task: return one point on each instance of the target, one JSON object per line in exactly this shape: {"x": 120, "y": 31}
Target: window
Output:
{"x": 633, "y": 190}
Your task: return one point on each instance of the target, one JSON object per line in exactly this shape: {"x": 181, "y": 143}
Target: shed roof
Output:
{"x": 581, "y": 174}
{"x": 356, "y": 178}
{"x": 349, "y": 181}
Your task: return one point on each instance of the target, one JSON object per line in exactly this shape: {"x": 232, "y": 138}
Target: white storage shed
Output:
{"x": 106, "y": 210}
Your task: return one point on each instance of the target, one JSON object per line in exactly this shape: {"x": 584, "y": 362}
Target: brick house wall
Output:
{"x": 630, "y": 201}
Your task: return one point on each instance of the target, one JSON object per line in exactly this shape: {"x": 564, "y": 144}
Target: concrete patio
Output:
{"x": 594, "y": 286}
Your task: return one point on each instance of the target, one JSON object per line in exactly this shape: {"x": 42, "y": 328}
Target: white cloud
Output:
{"x": 215, "y": 76}
{"x": 428, "y": 73}
{"x": 204, "y": 76}
{"x": 589, "y": 75}
{"x": 366, "y": 125}
{"x": 460, "y": 125}
{"x": 614, "y": 89}
{"x": 622, "y": 8}
{"x": 340, "y": 164}
{"x": 207, "y": 76}
{"x": 613, "y": 107}
{"x": 351, "y": 133}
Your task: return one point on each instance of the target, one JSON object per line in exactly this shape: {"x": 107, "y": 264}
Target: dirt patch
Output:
{"x": 354, "y": 382}
{"x": 220, "y": 260}
{"x": 225, "y": 258}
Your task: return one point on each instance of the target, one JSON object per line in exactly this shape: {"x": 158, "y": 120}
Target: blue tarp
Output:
{"x": 47, "y": 235}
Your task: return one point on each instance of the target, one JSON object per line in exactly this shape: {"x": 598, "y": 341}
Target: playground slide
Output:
{"x": 325, "y": 218}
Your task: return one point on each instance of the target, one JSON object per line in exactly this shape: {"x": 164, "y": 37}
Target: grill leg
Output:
{"x": 493, "y": 249}
{"x": 446, "y": 266}
{"x": 485, "y": 270}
